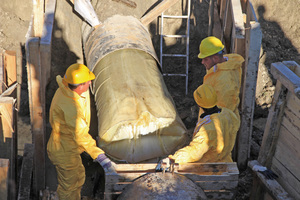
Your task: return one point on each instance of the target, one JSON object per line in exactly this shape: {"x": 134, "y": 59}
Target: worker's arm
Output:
{"x": 195, "y": 150}
{"x": 77, "y": 125}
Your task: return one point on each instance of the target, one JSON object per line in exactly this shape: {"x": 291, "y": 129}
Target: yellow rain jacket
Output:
{"x": 213, "y": 141}
{"x": 70, "y": 121}
{"x": 225, "y": 78}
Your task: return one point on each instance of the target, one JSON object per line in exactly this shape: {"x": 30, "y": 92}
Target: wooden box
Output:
{"x": 218, "y": 180}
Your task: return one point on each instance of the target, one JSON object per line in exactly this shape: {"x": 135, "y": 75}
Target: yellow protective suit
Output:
{"x": 213, "y": 140}
{"x": 70, "y": 121}
{"x": 225, "y": 78}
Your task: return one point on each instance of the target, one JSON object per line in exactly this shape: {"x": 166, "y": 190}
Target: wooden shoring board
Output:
{"x": 217, "y": 28}
{"x": 272, "y": 127}
{"x": 2, "y": 85}
{"x": 26, "y": 173}
{"x": 287, "y": 77}
{"x": 238, "y": 29}
{"x": 9, "y": 124}
{"x": 294, "y": 66}
{"x": 287, "y": 152}
{"x": 37, "y": 111}
{"x": 227, "y": 26}
{"x": 248, "y": 89}
{"x": 222, "y": 5}
{"x": 156, "y": 11}
{"x": 4, "y": 177}
{"x": 292, "y": 115}
{"x": 46, "y": 40}
{"x": 211, "y": 19}
{"x": 38, "y": 17}
{"x": 272, "y": 186}
{"x": 10, "y": 67}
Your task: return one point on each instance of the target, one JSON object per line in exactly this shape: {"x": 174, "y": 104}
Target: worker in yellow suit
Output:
{"x": 214, "y": 134}
{"x": 70, "y": 121}
{"x": 223, "y": 72}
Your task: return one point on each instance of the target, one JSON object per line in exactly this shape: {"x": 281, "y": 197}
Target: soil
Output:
{"x": 281, "y": 42}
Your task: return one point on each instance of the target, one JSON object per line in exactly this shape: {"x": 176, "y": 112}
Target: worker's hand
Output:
{"x": 167, "y": 165}
{"x": 106, "y": 163}
{"x": 269, "y": 174}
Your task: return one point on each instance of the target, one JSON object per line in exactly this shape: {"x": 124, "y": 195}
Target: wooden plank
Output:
{"x": 248, "y": 89}
{"x": 9, "y": 128}
{"x": 222, "y": 11}
{"x": 2, "y": 80}
{"x": 211, "y": 18}
{"x": 10, "y": 66}
{"x": 220, "y": 195}
{"x": 156, "y": 11}
{"x": 37, "y": 109}
{"x": 6, "y": 111}
{"x": 26, "y": 173}
{"x": 294, "y": 66}
{"x": 291, "y": 119}
{"x": 288, "y": 78}
{"x": 136, "y": 167}
{"x": 217, "y": 29}
{"x": 293, "y": 106}
{"x": 289, "y": 182}
{"x": 238, "y": 30}
{"x": 272, "y": 127}
{"x": 201, "y": 168}
{"x": 38, "y": 17}
{"x": 4, "y": 178}
{"x": 272, "y": 186}
{"x": 294, "y": 130}
{"x": 227, "y": 26}
{"x": 46, "y": 41}
{"x": 288, "y": 152}
{"x": 217, "y": 185}
{"x": 238, "y": 19}
{"x": 212, "y": 177}
{"x": 9, "y": 90}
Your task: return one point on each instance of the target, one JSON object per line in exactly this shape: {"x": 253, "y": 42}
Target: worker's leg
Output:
{"x": 71, "y": 177}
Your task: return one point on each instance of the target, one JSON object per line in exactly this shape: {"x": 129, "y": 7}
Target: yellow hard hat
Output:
{"x": 78, "y": 73}
{"x": 210, "y": 46}
{"x": 205, "y": 96}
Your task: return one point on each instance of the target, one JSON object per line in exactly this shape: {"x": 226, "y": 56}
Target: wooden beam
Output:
{"x": 222, "y": 5}
{"x": 2, "y": 79}
{"x": 217, "y": 28}
{"x": 9, "y": 128}
{"x": 37, "y": 109}
{"x": 46, "y": 41}
{"x": 156, "y": 11}
{"x": 248, "y": 89}
{"x": 227, "y": 26}
{"x": 10, "y": 66}
{"x": 287, "y": 77}
{"x": 211, "y": 17}
{"x": 26, "y": 173}
{"x": 272, "y": 127}
{"x": 272, "y": 186}
{"x": 4, "y": 178}
{"x": 38, "y": 17}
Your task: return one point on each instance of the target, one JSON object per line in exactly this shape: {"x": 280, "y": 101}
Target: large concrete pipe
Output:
{"x": 137, "y": 119}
